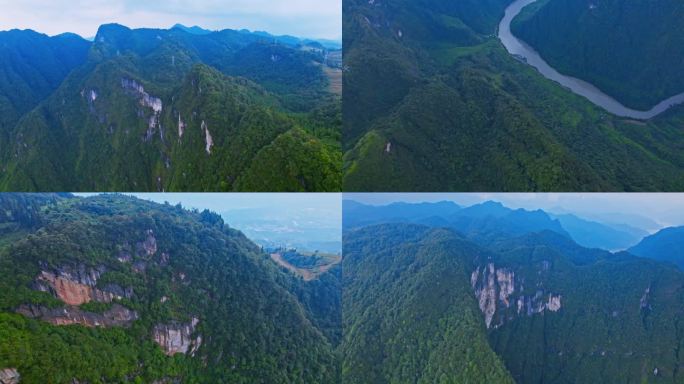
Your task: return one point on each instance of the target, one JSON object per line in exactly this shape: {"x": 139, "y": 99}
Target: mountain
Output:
{"x": 32, "y": 66}
{"x": 603, "y": 43}
{"x": 155, "y": 110}
{"x": 115, "y": 289}
{"x": 592, "y": 234}
{"x": 357, "y": 214}
{"x": 484, "y": 222}
{"x": 435, "y": 102}
{"x": 409, "y": 314}
{"x": 665, "y": 245}
{"x": 421, "y": 304}
{"x": 195, "y": 30}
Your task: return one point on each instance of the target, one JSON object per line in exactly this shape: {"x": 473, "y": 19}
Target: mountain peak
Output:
{"x": 194, "y": 30}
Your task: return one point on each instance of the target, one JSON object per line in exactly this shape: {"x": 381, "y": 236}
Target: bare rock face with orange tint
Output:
{"x": 76, "y": 286}
{"x": 177, "y": 337}
{"x": 116, "y": 316}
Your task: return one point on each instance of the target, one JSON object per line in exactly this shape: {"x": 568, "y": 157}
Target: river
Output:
{"x": 521, "y": 49}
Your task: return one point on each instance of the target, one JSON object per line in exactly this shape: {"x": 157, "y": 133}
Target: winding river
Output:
{"x": 522, "y": 50}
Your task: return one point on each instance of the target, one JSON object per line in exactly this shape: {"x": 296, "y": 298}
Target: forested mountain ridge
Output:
{"x": 409, "y": 314}
{"x": 153, "y": 110}
{"x": 664, "y": 245}
{"x": 113, "y": 289}
{"x": 436, "y": 103}
{"x": 632, "y": 50}
{"x": 551, "y": 310}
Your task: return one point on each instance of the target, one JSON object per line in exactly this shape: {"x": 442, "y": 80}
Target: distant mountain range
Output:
{"x": 494, "y": 219}
{"x": 487, "y": 294}
{"x": 283, "y": 39}
{"x": 161, "y": 110}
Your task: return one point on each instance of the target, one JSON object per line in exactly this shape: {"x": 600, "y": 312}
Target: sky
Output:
{"x": 625, "y": 208}
{"x": 321, "y": 19}
{"x": 311, "y": 221}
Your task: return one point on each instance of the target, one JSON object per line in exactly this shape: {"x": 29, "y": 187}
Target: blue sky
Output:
{"x": 662, "y": 208}
{"x": 303, "y": 18}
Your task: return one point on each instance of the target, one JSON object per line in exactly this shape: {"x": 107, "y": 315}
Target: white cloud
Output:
{"x": 305, "y": 18}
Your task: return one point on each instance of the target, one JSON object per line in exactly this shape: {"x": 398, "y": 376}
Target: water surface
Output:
{"x": 523, "y": 51}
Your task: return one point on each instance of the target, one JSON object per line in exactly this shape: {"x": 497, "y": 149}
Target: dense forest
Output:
{"x": 632, "y": 50}
{"x": 464, "y": 296}
{"x": 435, "y": 102}
{"x": 112, "y": 289}
{"x": 168, "y": 110}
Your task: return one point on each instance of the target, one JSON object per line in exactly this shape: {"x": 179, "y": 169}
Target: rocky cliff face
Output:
{"x": 76, "y": 286}
{"x": 177, "y": 337}
{"x": 9, "y": 376}
{"x": 495, "y": 289}
{"x": 116, "y": 316}
{"x": 147, "y": 247}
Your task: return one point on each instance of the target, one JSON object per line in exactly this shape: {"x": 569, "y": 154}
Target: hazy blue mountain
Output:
{"x": 195, "y": 30}
{"x": 592, "y": 234}
{"x": 665, "y": 245}
{"x": 484, "y": 222}
{"x": 357, "y": 214}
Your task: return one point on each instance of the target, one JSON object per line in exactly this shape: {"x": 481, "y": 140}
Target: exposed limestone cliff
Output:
{"x": 148, "y": 247}
{"x": 209, "y": 140}
{"x": 117, "y": 315}
{"x": 76, "y": 286}
{"x": 177, "y": 337}
{"x": 495, "y": 289}
{"x": 9, "y": 376}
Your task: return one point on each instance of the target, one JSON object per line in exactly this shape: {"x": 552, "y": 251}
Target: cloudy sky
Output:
{"x": 628, "y": 208}
{"x": 303, "y": 18}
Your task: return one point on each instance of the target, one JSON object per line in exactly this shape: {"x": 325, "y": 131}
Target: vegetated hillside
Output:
{"x": 665, "y": 245}
{"x": 154, "y": 110}
{"x": 632, "y": 50}
{"x": 113, "y": 289}
{"x": 552, "y": 311}
{"x": 484, "y": 222}
{"x": 427, "y": 110}
{"x": 409, "y": 313}
{"x": 31, "y": 67}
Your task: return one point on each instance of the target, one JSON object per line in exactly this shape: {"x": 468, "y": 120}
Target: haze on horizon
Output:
{"x": 301, "y": 220}
{"x": 318, "y": 19}
{"x": 663, "y": 209}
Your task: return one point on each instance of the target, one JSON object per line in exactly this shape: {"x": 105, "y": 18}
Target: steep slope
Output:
{"x": 114, "y": 289}
{"x": 630, "y": 50}
{"x": 32, "y": 66}
{"x": 409, "y": 314}
{"x": 665, "y": 245}
{"x": 561, "y": 313}
{"x": 434, "y": 111}
{"x": 592, "y": 234}
{"x": 157, "y": 110}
